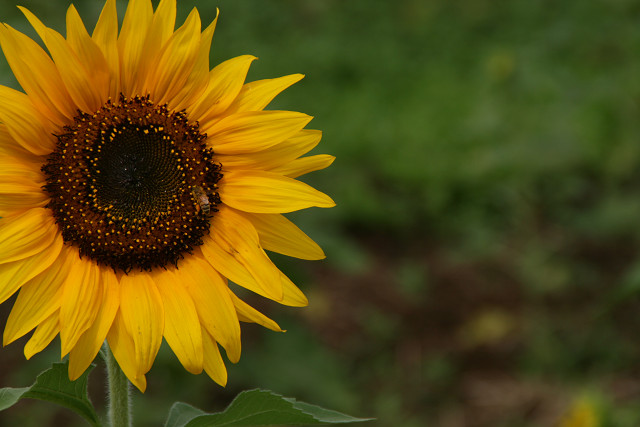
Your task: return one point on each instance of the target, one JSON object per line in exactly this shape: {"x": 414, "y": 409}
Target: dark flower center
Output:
{"x": 132, "y": 185}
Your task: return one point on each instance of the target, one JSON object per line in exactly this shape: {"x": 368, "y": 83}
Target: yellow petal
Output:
{"x": 246, "y": 313}
{"x": 233, "y": 248}
{"x": 224, "y": 261}
{"x": 164, "y": 21}
{"x": 143, "y": 315}
{"x": 278, "y": 234}
{"x": 305, "y": 165}
{"x": 257, "y": 95}
{"x": 14, "y": 169}
{"x": 266, "y": 192}
{"x": 277, "y": 155}
{"x": 9, "y": 147}
{"x": 26, "y": 234}
{"x": 76, "y": 78}
{"x": 19, "y": 198}
{"x": 81, "y": 300}
{"x": 105, "y": 36}
{"x": 213, "y": 363}
{"x": 24, "y": 122}
{"x": 20, "y": 170}
{"x": 20, "y": 185}
{"x": 174, "y": 64}
{"x": 106, "y": 29}
{"x": 210, "y": 295}
{"x": 43, "y": 277}
{"x": 225, "y": 81}
{"x": 252, "y": 131}
{"x": 160, "y": 29}
{"x": 181, "y": 324}
{"x": 292, "y": 296}
{"x": 199, "y": 77}
{"x": 123, "y": 349}
{"x": 88, "y": 346}
{"x": 37, "y": 74}
{"x": 135, "y": 26}
{"x": 43, "y": 335}
{"x": 89, "y": 54}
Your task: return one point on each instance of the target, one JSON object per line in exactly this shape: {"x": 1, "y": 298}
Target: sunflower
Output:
{"x": 135, "y": 182}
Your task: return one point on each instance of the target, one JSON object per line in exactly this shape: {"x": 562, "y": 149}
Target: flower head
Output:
{"x": 135, "y": 182}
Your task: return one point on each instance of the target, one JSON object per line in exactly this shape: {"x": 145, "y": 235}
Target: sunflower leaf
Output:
{"x": 9, "y": 396}
{"x": 258, "y": 408}
{"x": 53, "y": 385}
{"x": 181, "y": 413}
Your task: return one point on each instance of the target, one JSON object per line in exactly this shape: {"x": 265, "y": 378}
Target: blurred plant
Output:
{"x": 583, "y": 413}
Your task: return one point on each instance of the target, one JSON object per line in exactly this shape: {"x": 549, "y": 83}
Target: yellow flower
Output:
{"x": 134, "y": 182}
{"x": 583, "y": 413}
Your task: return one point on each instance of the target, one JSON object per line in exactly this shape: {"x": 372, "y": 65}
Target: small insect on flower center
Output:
{"x": 132, "y": 185}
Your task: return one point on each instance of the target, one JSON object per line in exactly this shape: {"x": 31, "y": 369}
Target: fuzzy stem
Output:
{"x": 118, "y": 392}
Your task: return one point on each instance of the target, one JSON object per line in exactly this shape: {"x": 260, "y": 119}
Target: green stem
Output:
{"x": 119, "y": 392}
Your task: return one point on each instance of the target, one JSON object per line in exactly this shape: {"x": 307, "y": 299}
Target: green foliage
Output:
{"x": 257, "y": 408}
{"x": 53, "y": 385}
{"x": 249, "y": 408}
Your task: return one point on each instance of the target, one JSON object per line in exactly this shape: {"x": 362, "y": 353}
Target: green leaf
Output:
{"x": 9, "y": 396}
{"x": 258, "y": 408}
{"x": 181, "y": 413}
{"x": 53, "y": 385}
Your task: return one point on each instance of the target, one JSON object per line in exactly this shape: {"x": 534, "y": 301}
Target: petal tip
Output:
{"x": 233, "y": 355}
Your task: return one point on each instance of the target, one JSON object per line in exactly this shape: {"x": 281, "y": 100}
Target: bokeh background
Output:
{"x": 482, "y": 261}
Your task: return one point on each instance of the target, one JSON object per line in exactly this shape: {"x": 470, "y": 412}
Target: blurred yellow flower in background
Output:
{"x": 135, "y": 182}
{"x": 582, "y": 413}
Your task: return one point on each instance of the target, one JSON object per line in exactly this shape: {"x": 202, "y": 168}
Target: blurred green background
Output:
{"x": 482, "y": 262}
